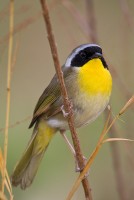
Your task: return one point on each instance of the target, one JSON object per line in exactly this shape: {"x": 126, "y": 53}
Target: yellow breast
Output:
{"x": 94, "y": 79}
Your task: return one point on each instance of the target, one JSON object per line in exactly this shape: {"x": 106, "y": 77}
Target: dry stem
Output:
{"x": 88, "y": 32}
{"x": 76, "y": 14}
{"x": 16, "y": 123}
{"x": 67, "y": 103}
{"x": 115, "y": 150}
{"x": 7, "y": 179}
{"x": 98, "y": 146}
{"x": 11, "y": 24}
{"x": 127, "y": 13}
{"x": 91, "y": 21}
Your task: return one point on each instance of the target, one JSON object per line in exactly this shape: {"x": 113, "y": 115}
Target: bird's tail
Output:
{"x": 27, "y": 167}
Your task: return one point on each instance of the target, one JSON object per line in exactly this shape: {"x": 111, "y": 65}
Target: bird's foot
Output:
{"x": 65, "y": 114}
{"x": 78, "y": 169}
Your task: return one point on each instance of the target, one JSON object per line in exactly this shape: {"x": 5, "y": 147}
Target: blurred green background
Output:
{"x": 34, "y": 69}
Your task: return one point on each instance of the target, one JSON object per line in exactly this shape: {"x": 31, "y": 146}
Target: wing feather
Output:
{"x": 48, "y": 97}
{"x": 50, "y": 102}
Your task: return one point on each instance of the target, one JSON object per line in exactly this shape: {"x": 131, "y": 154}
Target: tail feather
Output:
{"x": 27, "y": 167}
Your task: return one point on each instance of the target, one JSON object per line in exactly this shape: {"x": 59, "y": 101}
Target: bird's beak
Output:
{"x": 96, "y": 55}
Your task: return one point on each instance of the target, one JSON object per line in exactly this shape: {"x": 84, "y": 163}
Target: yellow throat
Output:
{"x": 94, "y": 79}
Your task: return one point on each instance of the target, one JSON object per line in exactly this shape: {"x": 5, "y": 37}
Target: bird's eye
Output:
{"x": 83, "y": 54}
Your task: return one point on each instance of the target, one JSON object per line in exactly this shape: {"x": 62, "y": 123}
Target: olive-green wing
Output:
{"x": 50, "y": 101}
{"x": 48, "y": 97}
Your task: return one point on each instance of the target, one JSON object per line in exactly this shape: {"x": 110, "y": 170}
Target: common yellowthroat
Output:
{"x": 89, "y": 84}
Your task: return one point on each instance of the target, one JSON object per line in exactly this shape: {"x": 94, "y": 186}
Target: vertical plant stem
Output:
{"x": 101, "y": 141}
{"x": 66, "y": 102}
{"x": 91, "y": 21}
{"x": 120, "y": 182}
{"x": 114, "y": 147}
{"x": 11, "y": 25}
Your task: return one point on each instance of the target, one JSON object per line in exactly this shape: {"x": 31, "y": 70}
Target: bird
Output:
{"x": 88, "y": 83}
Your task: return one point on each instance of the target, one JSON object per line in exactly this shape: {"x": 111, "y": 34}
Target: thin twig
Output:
{"x": 120, "y": 179}
{"x": 97, "y": 149}
{"x": 2, "y": 196}
{"x": 91, "y": 21}
{"x": 22, "y": 26}
{"x": 16, "y": 123}
{"x": 66, "y": 102}
{"x": 127, "y": 13}
{"x": 7, "y": 179}
{"x": 93, "y": 38}
{"x": 11, "y": 24}
{"x": 77, "y": 15}
{"x": 93, "y": 155}
{"x": 21, "y": 10}
{"x": 26, "y": 22}
{"x": 115, "y": 150}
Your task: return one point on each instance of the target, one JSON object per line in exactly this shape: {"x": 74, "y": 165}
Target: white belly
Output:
{"x": 84, "y": 113}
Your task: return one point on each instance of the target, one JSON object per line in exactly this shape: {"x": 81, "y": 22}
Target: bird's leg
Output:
{"x": 68, "y": 143}
{"x": 77, "y": 168}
